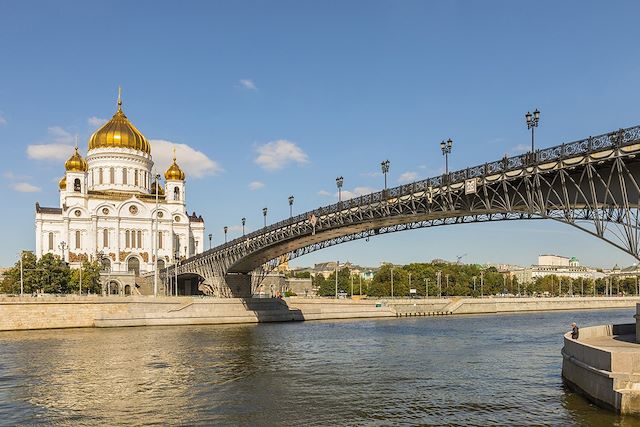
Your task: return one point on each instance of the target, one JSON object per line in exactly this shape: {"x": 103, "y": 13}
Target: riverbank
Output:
{"x": 51, "y": 312}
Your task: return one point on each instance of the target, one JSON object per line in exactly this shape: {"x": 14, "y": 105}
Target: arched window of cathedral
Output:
{"x": 127, "y": 239}
{"x": 112, "y": 176}
{"x": 76, "y": 185}
{"x": 105, "y": 238}
{"x": 135, "y": 177}
{"x": 100, "y": 176}
{"x": 133, "y": 239}
{"x": 159, "y": 239}
{"x": 176, "y": 193}
{"x": 161, "y": 264}
{"x": 146, "y": 184}
{"x": 50, "y": 241}
{"x": 124, "y": 176}
{"x": 139, "y": 239}
{"x": 77, "y": 239}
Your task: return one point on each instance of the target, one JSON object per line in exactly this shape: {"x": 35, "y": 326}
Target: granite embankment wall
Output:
{"x": 77, "y": 312}
{"x": 508, "y": 305}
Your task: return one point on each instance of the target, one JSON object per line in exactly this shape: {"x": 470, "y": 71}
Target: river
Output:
{"x": 459, "y": 370}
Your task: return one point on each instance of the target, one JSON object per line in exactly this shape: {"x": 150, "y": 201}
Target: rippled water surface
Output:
{"x": 471, "y": 370}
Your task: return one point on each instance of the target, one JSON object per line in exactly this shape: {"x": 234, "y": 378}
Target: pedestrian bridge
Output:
{"x": 590, "y": 184}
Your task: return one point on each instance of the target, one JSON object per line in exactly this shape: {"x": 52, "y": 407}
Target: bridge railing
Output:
{"x": 614, "y": 139}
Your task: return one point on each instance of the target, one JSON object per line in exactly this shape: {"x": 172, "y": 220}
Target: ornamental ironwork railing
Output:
{"x": 616, "y": 139}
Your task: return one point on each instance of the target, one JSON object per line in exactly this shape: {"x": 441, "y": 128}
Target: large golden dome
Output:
{"x": 76, "y": 163}
{"x": 174, "y": 173}
{"x": 119, "y": 132}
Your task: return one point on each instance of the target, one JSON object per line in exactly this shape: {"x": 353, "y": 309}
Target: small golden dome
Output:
{"x": 153, "y": 189}
{"x": 63, "y": 183}
{"x": 119, "y": 132}
{"x": 174, "y": 173}
{"x": 76, "y": 163}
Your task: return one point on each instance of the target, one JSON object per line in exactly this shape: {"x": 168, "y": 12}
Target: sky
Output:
{"x": 269, "y": 99}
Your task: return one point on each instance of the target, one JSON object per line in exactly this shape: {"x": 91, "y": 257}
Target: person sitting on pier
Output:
{"x": 575, "y": 331}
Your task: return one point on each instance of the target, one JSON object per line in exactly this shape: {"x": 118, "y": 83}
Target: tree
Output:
{"x": 90, "y": 278}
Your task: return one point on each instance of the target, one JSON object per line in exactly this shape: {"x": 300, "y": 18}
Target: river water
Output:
{"x": 466, "y": 370}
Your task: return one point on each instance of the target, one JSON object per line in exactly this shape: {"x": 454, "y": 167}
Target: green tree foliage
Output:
{"x": 327, "y": 287}
{"x": 90, "y": 278}
{"x": 50, "y": 274}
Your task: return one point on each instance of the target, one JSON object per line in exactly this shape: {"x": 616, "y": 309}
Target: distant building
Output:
{"x": 556, "y": 265}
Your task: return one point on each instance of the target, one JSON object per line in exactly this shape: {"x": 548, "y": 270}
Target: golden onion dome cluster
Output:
{"x": 119, "y": 132}
{"x": 76, "y": 163}
{"x": 174, "y": 173}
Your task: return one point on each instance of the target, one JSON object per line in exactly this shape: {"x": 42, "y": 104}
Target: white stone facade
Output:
{"x": 108, "y": 210}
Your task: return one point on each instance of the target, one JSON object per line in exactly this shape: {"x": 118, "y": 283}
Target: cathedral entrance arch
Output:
{"x": 133, "y": 265}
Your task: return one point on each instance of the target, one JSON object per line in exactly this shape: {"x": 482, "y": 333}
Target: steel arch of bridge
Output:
{"x": 591, "y": 184}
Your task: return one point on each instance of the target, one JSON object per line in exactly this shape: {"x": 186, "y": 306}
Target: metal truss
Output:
{"x": 591, "y": 184}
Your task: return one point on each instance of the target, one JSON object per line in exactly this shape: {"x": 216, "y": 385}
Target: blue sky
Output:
{"x": 276, "y": 98}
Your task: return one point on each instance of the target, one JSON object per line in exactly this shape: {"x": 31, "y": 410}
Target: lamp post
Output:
{"x": 225, "y": 233}
{"x": 391, "y": 282}
{"x": 446, "y": 276}
{"x": 337, "y": 265}
{"x": 439, "y": 280}
{"x": 385, "y": 170}
{"x": 481, "y": 284}
{"x": 210, "y": 237}
{"x": 339, "y": 182}
{"x": 446, "y": 147}
{"x": 532, "y": 123}
{"x": 21, "y": 274}
{"x": 264, "y": 214}
{"x": 290, "y": 206}
{"x": 426, "y": 288}
{"x": 157, "y": 243}
{"x": 474, "y": 284}
{"x": 244, "y": 221}
{"x": 62, "y": 245}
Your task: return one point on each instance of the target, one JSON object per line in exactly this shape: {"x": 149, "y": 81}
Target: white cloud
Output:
{"x": 3, "y": 121}
{"x": 60, "y": 147}
{"x": 96, "y": 121}
{"x": 371, "y": 174}
{"x": 24, "y": 187}
{"x": 324, "y": 193}
{"x": 248, "y": 84}
{"x": 407, "y": 177}
{"x": 61, "y": 136}
{"x": 277, "y": 154}
{"x": 54, "y": 152}
{"x": 356, "y": 192}
{"x": 255, "y": 185}
{"x": 519, "y": 149}
{"x": 194, "y": 163}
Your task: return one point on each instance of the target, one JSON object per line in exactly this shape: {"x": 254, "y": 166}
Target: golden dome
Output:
{"x": 119, "y": 132}
{"x": 76, "y": 163}
{"x": 153, "y": 189}
{"x": 174, "y": 173}
{"x": 63, "y": 183}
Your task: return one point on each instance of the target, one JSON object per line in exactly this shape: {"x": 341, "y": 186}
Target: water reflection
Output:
{"x": 457, "y": 370}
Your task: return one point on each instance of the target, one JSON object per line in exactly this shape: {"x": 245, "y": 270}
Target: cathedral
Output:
{"x": 113, "y": 208}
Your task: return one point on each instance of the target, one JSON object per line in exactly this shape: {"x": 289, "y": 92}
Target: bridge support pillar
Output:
{"x": 239, "y": 284}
